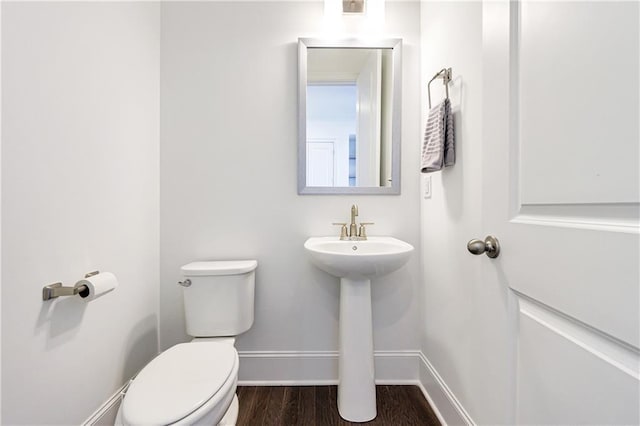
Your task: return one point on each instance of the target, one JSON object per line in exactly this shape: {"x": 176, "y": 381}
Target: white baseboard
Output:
{"x": 295, "y": 368}
{"x": 306, "y": 368}
{"x": 299, "y": 368}
{"x": 106, "y": 413}
{"x": 447, "y": 407}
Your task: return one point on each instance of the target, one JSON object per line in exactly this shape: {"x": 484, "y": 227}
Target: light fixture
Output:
{"x": 353, "y": 6}
{"x": 353, "y": 17}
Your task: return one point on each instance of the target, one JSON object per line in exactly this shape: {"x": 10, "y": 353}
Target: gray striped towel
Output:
{"x": 438, "y": 148}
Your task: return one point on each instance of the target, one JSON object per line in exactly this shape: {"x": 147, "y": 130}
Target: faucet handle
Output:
{"x": 362, "y": 232}
{"x": 343, "y": 230}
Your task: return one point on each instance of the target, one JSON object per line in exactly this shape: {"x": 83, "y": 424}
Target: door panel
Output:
{"x": 570, "y": 374}
{"x": 578, "y": 103}
{"x": 564, "y": 203}
{"x": 320, "y": 163}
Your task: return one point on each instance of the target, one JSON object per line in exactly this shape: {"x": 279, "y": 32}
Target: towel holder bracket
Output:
{"x": 445, "y": 75}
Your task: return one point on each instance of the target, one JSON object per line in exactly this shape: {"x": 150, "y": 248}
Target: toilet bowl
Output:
{"x": 194, "y": 383}
{"x": 188, "y": 384}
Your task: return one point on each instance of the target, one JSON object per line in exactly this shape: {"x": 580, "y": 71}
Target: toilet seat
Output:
{"x": 182, "y": 385}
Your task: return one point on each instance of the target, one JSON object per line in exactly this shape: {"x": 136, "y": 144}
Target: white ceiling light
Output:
{"x": 356, "y": 17}
{"x": 353, "y": 6}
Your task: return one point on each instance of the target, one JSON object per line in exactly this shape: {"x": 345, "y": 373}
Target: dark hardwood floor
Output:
{"x": 317, "y": 406}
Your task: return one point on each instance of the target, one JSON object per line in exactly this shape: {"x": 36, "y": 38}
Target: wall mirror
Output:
{"x": 349, "y": 100}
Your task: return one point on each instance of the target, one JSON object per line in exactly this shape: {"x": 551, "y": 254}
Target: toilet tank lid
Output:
{"x": 219, "y": 267}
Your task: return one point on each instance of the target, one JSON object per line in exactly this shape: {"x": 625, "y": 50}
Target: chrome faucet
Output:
{"x": 354, "y": 232}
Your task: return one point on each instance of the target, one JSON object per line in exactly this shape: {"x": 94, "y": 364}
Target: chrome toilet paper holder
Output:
{"x": 54, "y": 290}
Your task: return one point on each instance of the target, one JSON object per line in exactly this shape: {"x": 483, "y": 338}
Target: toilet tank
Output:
{"x": 219, "y": 301}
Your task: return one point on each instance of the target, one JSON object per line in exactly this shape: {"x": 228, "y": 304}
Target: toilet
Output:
{"x": 195, "y": 383}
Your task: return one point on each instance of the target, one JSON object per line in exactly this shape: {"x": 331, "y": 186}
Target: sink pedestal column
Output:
{"x": 356, "y": 375}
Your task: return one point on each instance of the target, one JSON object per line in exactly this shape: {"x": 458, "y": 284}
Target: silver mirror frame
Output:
{"x": 396, "y": 117}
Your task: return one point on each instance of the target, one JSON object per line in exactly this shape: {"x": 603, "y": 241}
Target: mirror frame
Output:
{"x": 396, "y": 117}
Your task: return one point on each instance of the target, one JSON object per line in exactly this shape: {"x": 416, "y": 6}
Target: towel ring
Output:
{"x": 445, "y": 75}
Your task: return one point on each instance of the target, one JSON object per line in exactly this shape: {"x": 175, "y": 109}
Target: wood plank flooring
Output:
{"x": 317, "y": 406}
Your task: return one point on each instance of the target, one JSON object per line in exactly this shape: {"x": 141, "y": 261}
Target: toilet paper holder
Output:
{"x": 54, "y": 290}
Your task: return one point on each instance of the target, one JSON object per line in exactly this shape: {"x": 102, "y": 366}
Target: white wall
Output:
{"x": 0, "y": 213}
{"x": 465, "y": 335}
{"x": 80, "y": 115}
{"x": 228, "y": 173}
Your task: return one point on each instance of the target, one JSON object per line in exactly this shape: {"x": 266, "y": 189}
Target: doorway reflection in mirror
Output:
{"x": 347, "y": 104}
{"x": 331, "y": 126}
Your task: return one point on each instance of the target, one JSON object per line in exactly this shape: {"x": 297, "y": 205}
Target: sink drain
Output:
{"x": 354, "y": 248}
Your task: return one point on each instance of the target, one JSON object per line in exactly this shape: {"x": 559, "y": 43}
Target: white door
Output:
{"x": 369, "y": 83}
{"x": 320, "y": 163}
{"x": 561, "y": 194}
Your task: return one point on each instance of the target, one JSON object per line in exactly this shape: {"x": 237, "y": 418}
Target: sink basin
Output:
{"x": 368, "y": 259}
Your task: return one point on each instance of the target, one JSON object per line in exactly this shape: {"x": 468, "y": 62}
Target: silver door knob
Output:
{"x": 490, "y": 246}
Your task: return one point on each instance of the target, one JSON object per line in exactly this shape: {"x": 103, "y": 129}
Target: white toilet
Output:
{"x": 195, "y": 383}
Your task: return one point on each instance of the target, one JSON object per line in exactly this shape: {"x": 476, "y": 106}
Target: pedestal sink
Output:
{"x": 356, "y": 263}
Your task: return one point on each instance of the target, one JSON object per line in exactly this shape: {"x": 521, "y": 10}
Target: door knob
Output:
{"x": 490, "y": 246}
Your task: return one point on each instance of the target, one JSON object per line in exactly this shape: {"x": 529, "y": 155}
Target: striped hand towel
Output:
{"x": 438, "y": 148}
